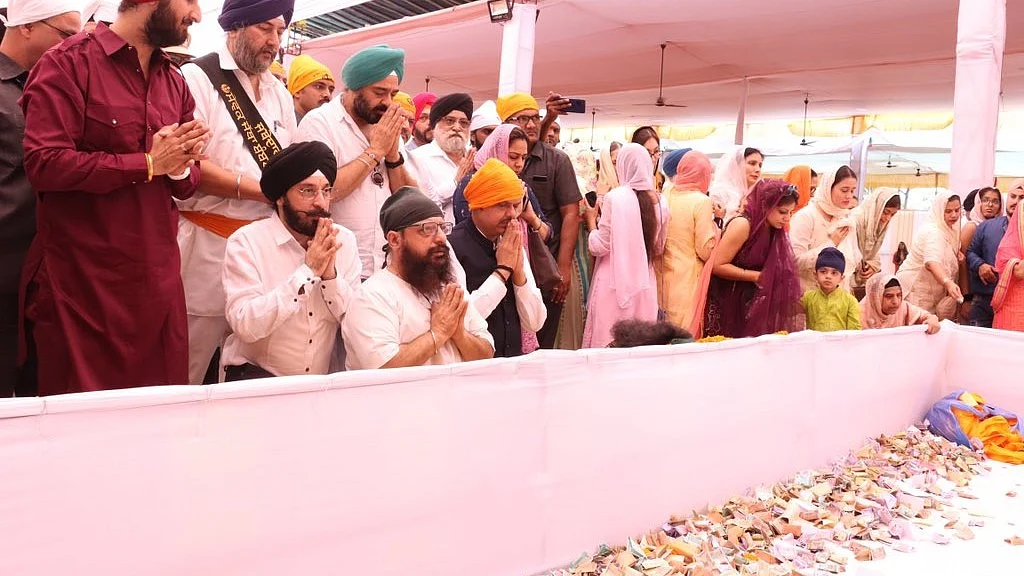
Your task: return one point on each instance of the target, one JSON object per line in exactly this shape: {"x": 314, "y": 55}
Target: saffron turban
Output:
{"x": 422, "y": 100}
{"x": 831, "y": 258}
{"x": 511, "y": 104}
{"x": 484, "y": 116}
{"x": 241, "y": 13}
{"x": 670, "y": 162}
{"x": 405, "y": 101}
{"x": 371, "y": 65}
{"x": 20, "y": 12}
{"x": 277, "y": 69}
{"x": 303, "y": 71}
{"x": 451, "y": 103}
{"x": 406, "y": 207}
{"x": 294, "y": 164}
{"x": 493, "y": 184}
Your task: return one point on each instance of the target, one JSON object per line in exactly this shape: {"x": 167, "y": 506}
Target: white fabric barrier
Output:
{"x": 505, "y": 467}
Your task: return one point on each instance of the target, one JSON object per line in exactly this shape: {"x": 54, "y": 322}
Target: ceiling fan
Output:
{"x": 804, "y": 141}
{"x": 660, "y": 101}
{"x": 889, "y": 164}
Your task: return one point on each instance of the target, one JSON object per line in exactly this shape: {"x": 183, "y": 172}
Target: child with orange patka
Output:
{"x": 829, "y": 308}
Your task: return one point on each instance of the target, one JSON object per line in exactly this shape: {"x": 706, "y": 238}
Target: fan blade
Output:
{"x": 674, "y": 105}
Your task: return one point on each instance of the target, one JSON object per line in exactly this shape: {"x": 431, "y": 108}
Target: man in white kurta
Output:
{"x": 229, "y": 193}
{"x": 362, "y": 128}
{"x": 289, "y": 278}
{"x": 437, "y": 165}
{"x": 416, "y": 312}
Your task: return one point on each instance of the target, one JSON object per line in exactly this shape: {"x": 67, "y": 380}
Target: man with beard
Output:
{"x": 553, "y": 136}
{"x": 421, "y": 132}
{"x": 109, "y": 140}
{"x": 489, "y": 246}
{"x": 229, "y": 194}
{"x": 440, "y": 165}
{"x": 414, "y": 312}
{"x": 405, "y": 102}
{"x": 549, "y": 173}
{"x": 310, "y": 83}
{"x": 33, "y": 27}
{"x": 485, "y": 120}
{"x": 362, "y": 129}
{"x": 289, "y": 278}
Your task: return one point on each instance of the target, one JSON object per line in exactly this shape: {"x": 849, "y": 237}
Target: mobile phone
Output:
{"x": 577, "y": 106}
{"x": 591, "y": 198}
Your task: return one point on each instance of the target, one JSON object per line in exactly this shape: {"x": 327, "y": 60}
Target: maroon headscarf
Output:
{"x": 774, "y": 307}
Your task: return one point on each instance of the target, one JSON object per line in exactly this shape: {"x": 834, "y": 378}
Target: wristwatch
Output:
{"x": 392, "y": 165}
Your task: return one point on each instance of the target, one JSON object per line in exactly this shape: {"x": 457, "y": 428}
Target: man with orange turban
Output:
{"x": 549, "y": 173}
{"x": 404, "y": 101}
{"x": 489, "y": 246}
{"x": 310, "y": 83}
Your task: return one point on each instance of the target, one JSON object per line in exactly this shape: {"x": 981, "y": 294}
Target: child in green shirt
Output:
{"x": 828, "y": 307}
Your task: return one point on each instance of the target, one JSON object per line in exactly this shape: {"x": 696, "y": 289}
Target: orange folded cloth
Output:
{"x": 220, "y": 225}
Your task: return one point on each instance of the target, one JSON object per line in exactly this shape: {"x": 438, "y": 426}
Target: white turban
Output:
{"x": 101, "y": 11}
{"x": 486, "y": 115}
{"x": 21, "y": 12}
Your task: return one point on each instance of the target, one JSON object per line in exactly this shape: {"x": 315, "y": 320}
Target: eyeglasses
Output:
{"x": 64, "y": 34}
{"x": 654, "y": 153}
{"x": 311, "y": 192}
{"x": 524, "y": 120}
{"x": 429, "y": 229}
{"x": 992, "y": 201}
{"x": 449, "y": 122}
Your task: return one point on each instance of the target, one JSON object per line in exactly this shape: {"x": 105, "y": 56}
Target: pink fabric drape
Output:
{"x": 630, "y": 275}
{"x": 693, "y": 172}
{"x": 495, "y": 146}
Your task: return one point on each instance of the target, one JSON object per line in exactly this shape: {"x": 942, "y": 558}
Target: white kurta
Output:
{"x": 284, "y": 318}
{"x": 808, "y": 233}
{"x": 436, "y": 172}
{"x": 529, "y": 303}
{"x": 388, "y": 312}
{"x": 360, "y": 210}
{"x": 202, "y": 252}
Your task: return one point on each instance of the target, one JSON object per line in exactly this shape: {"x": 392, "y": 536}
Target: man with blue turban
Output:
{"x": 362, "y": 128}
{"x": 230, "y": 195}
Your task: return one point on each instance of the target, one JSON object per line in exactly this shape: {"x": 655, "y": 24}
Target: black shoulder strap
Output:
{"x": 259, "y": 138}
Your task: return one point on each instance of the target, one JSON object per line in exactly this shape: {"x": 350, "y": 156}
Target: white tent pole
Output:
{"x": 741, "y": 117}
{"x": 517, "y": 45}
{"x": 981, "y": 37}
{"x": 859, "y": 161}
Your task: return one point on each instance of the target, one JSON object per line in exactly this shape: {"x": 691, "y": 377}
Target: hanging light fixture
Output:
{"x": 500, "y": 10}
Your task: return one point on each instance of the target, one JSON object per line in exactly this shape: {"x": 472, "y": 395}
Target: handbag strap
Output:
{"x": 258, "y": 137}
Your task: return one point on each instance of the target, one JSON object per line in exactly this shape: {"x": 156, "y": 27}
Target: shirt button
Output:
{"x": 307, "y": 369}
{"x": 295, "y": 300}
{"x": 310, "y": 313}
{"x": 310, "y": 340}
{"x": 329, "y": 302}
{"x": 114, "y": 121}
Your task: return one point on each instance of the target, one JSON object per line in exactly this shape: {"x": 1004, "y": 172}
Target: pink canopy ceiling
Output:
{"x": 852, "y": 56}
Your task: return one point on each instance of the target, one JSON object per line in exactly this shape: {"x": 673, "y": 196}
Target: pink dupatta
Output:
{"x": 1008, "y": 257}
{"x": 630, "y": 275}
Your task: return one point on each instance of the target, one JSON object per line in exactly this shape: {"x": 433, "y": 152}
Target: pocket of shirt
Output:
{"x": 115, "y": 129}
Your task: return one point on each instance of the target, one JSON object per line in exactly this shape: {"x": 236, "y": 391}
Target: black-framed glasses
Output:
{"x": 449, "y": 122}
{"x": 64, "y": 34}
{"x": 525, "y": 120}
{"x": 311, "y": 192}
{"x": 430, "y": 229}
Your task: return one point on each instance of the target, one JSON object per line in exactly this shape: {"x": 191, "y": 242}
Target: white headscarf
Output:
{"x": 729, "y": 184}
{"x": 870, "y": 231}
{"x": 937, "y": 218}
{"x": 976, "y": 215}
{"x": 21, "y": 12}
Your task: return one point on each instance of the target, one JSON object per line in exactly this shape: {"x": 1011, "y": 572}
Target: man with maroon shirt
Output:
{"x": 109, "y": 140}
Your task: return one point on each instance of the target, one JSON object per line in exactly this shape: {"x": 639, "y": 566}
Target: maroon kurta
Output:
{"x": 102, "y": 286}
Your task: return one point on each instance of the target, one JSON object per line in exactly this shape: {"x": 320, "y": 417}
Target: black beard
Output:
{"x": 425, "y": 275}
{"x": 162, "y": 30}
{"x": 427, "y": 136}
{"x": 361, "y": 108}
{"x": 302, "y": 221}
